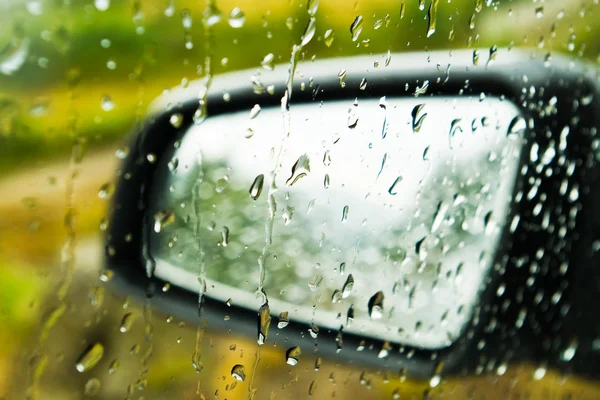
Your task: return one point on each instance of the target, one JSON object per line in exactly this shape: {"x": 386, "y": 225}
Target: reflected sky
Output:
{"x": 407, "y": 195}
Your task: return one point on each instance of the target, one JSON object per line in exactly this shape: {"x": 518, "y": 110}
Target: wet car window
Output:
{"x": 299, "y": 198}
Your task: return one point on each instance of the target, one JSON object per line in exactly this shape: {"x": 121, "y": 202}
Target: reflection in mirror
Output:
{"x": 387, "y": 212}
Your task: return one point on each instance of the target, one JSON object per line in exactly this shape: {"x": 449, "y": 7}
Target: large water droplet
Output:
{"x": 516, "y": 127}
{"x": 284, "y": 320}
{"x": 432, "y": 14}
{"x": 90, "y": 357}
{"x": 264, "y": 322}
{"x": 312, "y": 6}
{"x": 224, "y": 236}
{"x": 126, "y": 322}
{"x": 162, "y": 219}
{"x": 256, "y": 188}
{"x": 292, "y": 355}
{"x": 375, "y": 305}
{"x": 268, "y": 62}
{"x": 348, "y": 286}
{"x": 300, "y": 169}
{"x": 238, "y": 372}
{"x": 356, "y": 27}
{"x": 417, "y": 119}
{"x": 309, "y": 32}
{"x": 255, "y": 111}
{"x": 237, "y": 18}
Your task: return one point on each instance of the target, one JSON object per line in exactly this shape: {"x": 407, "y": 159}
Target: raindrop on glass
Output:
{"x": 237, "y": 18}
{"x": 90, "y": 357}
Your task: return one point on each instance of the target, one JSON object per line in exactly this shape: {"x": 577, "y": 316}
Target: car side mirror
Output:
{"x": 425, "y": 215}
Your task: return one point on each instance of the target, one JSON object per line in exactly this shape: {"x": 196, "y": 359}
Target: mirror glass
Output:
{"x": 387, "y": 212}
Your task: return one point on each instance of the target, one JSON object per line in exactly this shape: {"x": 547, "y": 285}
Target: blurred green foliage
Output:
{"x": 66, "y": 59}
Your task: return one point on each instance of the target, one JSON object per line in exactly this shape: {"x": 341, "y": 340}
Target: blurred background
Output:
{"x": 76, "y": 77}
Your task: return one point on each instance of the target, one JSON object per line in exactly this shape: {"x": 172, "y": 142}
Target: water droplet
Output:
{"x": 92, "y": 387}
{"x": 388, "y": 58}
{"x": 336, "y": 296}
{"x": 284, "y": 320}
{"x": 393, "y": 190}
{"x": 106, "y": 103}
{"x": 432, "y": 14}
{"x": 135, "y": 349}
{"x": 313, "y": 385}
{"x": 221, "y": 184}
{"x": 348, "y": 286}
{"x": 264, "y": 322}
{"x": 454, "y": 128}
{"x": 292, "y": 355}
{"x": 313, "y": 331}
{"x": 417, "y": 120}
{"x": 102, "y": 5}
{"x": 238, "y": 372}
{"x": 224, "y": 236}
{"x": 96, "y": 295}
{"x": 287, "y": 215}
{"x": 435, "y": 380}
{"x": 212, "y": 15}
{"x": 539, "y": 12}
{"x": 356, "y": 27}
{"x": 162, "y": 219}
{"x": 237, "y": 18}
{"x": 440, "y": 215}
{"x": 268, "y": 62}
{"x": 475, "y": 57}
{"x": 375, "y": 305}
{"x": 312, "y": 6}
{"x": 422, "y": 89}
{"x": 569, "y": 352}
{"x": 255, "y": 111}
{"x": 173, "y": 164}
{"x": 256, "y": 188}
{"x": 363, "y": 84}
{"x": 126, "y": 322}
{"x": 300, "y": 169}
{"x": 539, "y": 372}
{"x": 345, "y": 213}
{"x": 106, "y": 191}
{"x": 516, "y": 127}
{"x": 90, "y": 357}
{"x": 176, "y": 120}
{"x": 315, "y": 282}
{"x": 342, "y": 77}
{"x": 186, "y": 19}
{"x": 122, "y": 153}
{"x": 328, "y": 37}
{"x": 493, "y": 54}
{"x": 114, "y": 366}
{"x": 106, "y": 275}
{"x": 326, "y": 181}
{"x": 421, "y": 5}
{"x": 309, "y": 32}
